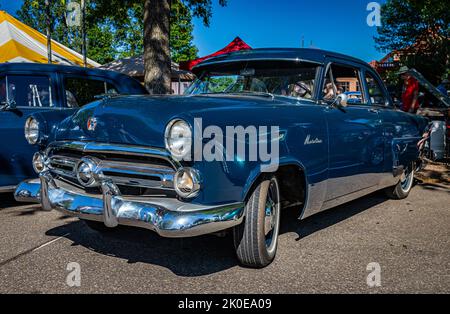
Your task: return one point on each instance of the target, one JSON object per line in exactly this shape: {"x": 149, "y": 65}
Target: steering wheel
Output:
{"x": 303, "y": 87}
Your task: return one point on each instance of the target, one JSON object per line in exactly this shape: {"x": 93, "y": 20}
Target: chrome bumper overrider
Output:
{"x": 168, "y": 217}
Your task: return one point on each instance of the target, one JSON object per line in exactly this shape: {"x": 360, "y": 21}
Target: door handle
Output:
{"x": 373, "y": 110}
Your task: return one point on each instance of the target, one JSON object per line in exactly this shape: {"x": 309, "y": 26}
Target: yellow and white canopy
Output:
{"x": 21, "y": 43}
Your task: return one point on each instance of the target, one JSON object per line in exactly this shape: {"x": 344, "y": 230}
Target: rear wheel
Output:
{"x": 256, "y": 239}
{"x": 404, "y": 186}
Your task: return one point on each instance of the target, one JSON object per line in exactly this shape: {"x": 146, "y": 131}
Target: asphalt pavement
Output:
{"x": 327, "y": 253}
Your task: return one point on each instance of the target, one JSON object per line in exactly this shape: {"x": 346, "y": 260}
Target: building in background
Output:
{"x": 134, "y": 67}
{"x": 181, "y": 74}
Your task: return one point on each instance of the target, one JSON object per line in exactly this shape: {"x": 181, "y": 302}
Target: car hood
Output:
{"x": 141, "y": 120}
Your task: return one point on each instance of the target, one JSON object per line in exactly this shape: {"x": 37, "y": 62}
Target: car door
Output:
{"x": 29, "y": 93}
{"x": 356, "y": 149}
{"x": 401, "y": 132}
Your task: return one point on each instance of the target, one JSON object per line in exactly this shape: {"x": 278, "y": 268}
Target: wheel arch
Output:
{"x": 292, "y": 180}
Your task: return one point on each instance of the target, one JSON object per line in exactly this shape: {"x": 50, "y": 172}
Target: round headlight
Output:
{"x": 187, "y": 182}
{"x": 178, "y": 138}
{"x": 38, "y": 162}
{"x": 32, "y": 130}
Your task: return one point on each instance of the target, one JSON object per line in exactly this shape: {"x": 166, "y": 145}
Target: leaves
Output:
{"x": 115, "y": 27}
{"x": 421, "y": 30}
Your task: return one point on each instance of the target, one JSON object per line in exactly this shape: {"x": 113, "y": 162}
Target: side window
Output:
{"x": 111, "y": 89}
{"x": 29, "y": 91}
{"x": 376, "y": 94}
{"x": 80, "y": 91}
{"x": 343, "y": 80}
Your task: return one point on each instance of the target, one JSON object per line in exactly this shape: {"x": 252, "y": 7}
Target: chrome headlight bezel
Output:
{"x": 39, "y": 162}
{"x": 179, "y": 127}
{"x": 32, "y": 131}
{"x": 194, "y": 176}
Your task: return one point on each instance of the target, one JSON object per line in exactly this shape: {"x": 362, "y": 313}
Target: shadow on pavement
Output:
{"x": 7, "y": 200}
{"x": 434, "y": 187}
{"x": 201, "y": 255}
{"x": 329, "y": 217}
{"x": 184, "y": 257}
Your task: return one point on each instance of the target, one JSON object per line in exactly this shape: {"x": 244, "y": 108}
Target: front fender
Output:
{"x": 257, "y": 173}
{"x": 48, "y": 123}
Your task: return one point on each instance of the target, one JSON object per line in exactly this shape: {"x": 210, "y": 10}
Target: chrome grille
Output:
{"x": 126, "y": 166}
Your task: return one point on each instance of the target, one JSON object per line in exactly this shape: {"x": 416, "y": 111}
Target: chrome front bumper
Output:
{"x": 167, "y": 216}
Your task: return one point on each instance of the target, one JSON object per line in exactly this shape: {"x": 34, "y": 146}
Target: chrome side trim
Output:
{"x": 213, "y": 62}
{"x": 168, "y": 217}
{"x": 315, "y": 198}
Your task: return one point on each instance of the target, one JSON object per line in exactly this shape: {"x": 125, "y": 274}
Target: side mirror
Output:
{"x": 342, "y": 100}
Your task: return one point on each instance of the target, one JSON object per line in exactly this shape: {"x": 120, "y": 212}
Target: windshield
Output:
{"x": 282, "y": 78}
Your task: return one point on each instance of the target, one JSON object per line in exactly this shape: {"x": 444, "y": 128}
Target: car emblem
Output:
{"x": 92, "y": 124}
{"x": 311, "y": 141}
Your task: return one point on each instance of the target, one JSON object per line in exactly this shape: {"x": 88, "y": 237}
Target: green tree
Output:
{"x": 115, "y": 28}
{"x": 129, "y": 25}
{"x": 100, "y": 39}
{"x": 181, "y": 28}
{"x": 421, "y": 30}
{"x": 156, "y": 32}
{"x": 33, "y": 14}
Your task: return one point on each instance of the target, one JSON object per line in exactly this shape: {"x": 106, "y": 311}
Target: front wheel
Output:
{"x": 404, "y": 186}
{"x": 256, "y": 239}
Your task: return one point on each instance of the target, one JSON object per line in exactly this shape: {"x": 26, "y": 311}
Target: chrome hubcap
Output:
{"x": 271, "y": 218}
{"x": 407, "y": 178}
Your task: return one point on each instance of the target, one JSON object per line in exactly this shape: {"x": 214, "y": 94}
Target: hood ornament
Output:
{"x": 92, "y": 124}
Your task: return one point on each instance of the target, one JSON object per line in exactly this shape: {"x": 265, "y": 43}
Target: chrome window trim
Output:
{"x": 212, "y": 62}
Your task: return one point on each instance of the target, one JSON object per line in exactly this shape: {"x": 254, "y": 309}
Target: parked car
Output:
{"x": 55, "y": 91}
{"x": 354, "y": 97}
{"x": 133, "y": 160}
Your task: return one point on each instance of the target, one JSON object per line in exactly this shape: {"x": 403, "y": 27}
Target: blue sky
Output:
{"x": 333, "y": 25}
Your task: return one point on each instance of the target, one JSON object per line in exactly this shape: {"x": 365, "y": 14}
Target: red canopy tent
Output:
{"x": 236, "y": 45}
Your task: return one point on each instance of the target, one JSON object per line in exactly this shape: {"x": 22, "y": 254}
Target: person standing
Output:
{"x": 410, "y": 94}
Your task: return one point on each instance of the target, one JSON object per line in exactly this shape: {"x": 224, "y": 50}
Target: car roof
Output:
{"x": 294, "y": 54}
{"x": 69, "y": 69}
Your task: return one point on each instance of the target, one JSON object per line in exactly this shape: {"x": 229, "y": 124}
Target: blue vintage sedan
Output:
{"x": 29, "y": 88}
{"x": 259, "y": 131}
